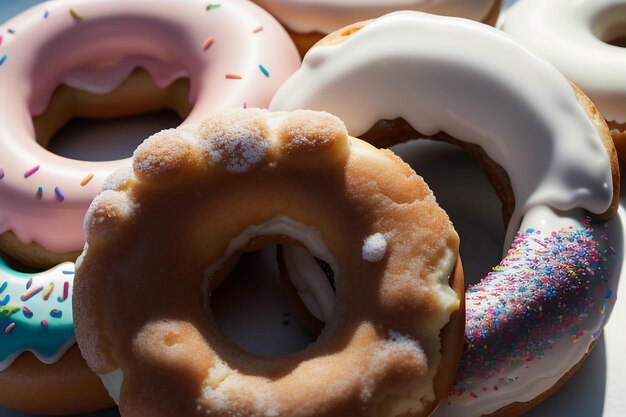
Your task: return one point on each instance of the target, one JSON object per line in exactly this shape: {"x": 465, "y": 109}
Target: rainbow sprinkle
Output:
{"x": 257, "y": 29}
{"x": 86, "y": 180}
{"x": 66, "y": 290}
{"x": 264, "y": 71}
{"x": 28, "y": 295}
{"x": 48, "y": 291}
{"x": 56, "y": 313}
{"x": 59, "y": 193}
{"x": 39, "y": 192}
{"x": 75, "y": 14}
{"x": 207, "y": 44}
{"x": 3, "y": 58}
{"x": 541, "y": 291}
{"x": 46, "y": 13}
{"x": 9, "y": 328}
{"x": 233, "y": 77}
{"x": 1, "y": 173}
{"x": 27, "y": 312}
{"x": 31, "y": 171}
{"x": 213, "y": 6}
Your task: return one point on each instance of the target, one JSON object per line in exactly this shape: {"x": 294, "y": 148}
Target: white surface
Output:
{"x": 598, "y": 389}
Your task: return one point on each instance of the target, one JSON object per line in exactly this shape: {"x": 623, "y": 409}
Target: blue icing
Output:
{"x": 21, "y": 316}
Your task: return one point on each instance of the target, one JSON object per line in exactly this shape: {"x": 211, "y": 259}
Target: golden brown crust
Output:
{"x": 305, "y": 41}
{"x": 65, "y": 387}
{"x": 618, "y": 133}
{"x": 605, "y": 135}
{"x": 149, "y": 238}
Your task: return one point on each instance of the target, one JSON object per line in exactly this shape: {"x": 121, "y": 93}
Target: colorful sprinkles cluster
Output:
{"x": 542, "y": 291}
{"x": 35, "y": 312}
{"x": 58, "y": 192}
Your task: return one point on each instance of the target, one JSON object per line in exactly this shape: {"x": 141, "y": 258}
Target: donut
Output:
{"x": 544, "y": 147}
{"x": 308, "y": 21}
{"x": 102, "y": 59}
{"x": 247, "y": 178}
{"x": 586, "y": 41}
{"x": 107, "y": 59}
{"x": 41, "y": 370}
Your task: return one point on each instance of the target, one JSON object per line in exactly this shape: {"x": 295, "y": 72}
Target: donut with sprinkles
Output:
{"x": 107, "y": 59}
{"x": 545, "y": 149}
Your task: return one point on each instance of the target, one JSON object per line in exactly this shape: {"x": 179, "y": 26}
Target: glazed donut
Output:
{"x": 308, "y": 21}
{"x": 542, "y": 144}
{"x": 232, "y": 54}
{"x": 41, "y": 369}
{"x": 586, "y": 41}
{"x": 247, "y": 178}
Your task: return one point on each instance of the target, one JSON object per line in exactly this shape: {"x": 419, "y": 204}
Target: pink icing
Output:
{"x": 94, "y": 45}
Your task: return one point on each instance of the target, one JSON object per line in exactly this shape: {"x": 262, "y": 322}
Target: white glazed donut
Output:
{"x": 586, "y": 41}
{"x": 458, "y": 80}
{"x": 310, "y": 20}
{"x": 232, "y": 54}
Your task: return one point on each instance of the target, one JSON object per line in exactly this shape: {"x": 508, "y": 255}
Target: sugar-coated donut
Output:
{"x": 233, "y": 53}
{"x": 41, "y": 370}
{"x": 308, "y": 21}
{"x": 544, "y": 147}
{"x": 200, "y": 195}
{"x": 586, "y": 41}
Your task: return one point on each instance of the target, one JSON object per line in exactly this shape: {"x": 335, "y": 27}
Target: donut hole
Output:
{"x": 610, "y": 25}
{"x": 101, "y": 127}
{"x": 254, "y": 309}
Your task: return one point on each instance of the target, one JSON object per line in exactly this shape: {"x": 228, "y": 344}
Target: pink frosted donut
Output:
{"x": 233, "y": 54}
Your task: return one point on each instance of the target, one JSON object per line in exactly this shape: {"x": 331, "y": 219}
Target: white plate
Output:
{"x": 596, "y": 390}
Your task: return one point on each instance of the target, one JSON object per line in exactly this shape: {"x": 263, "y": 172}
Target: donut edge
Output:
{"x": 70, "y": 387}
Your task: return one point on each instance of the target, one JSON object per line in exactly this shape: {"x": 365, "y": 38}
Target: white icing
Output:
{"x": 528, "y": 120}
{"x": 573, "y": 35}
{"x": 325, "y": 16}
{"x": 310, "y": 282}
{"x": 476, "y": 84}
{"x": 531, "y": 381}
{"x": 374, "y": 247}
{"x": 112, "y": 381}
